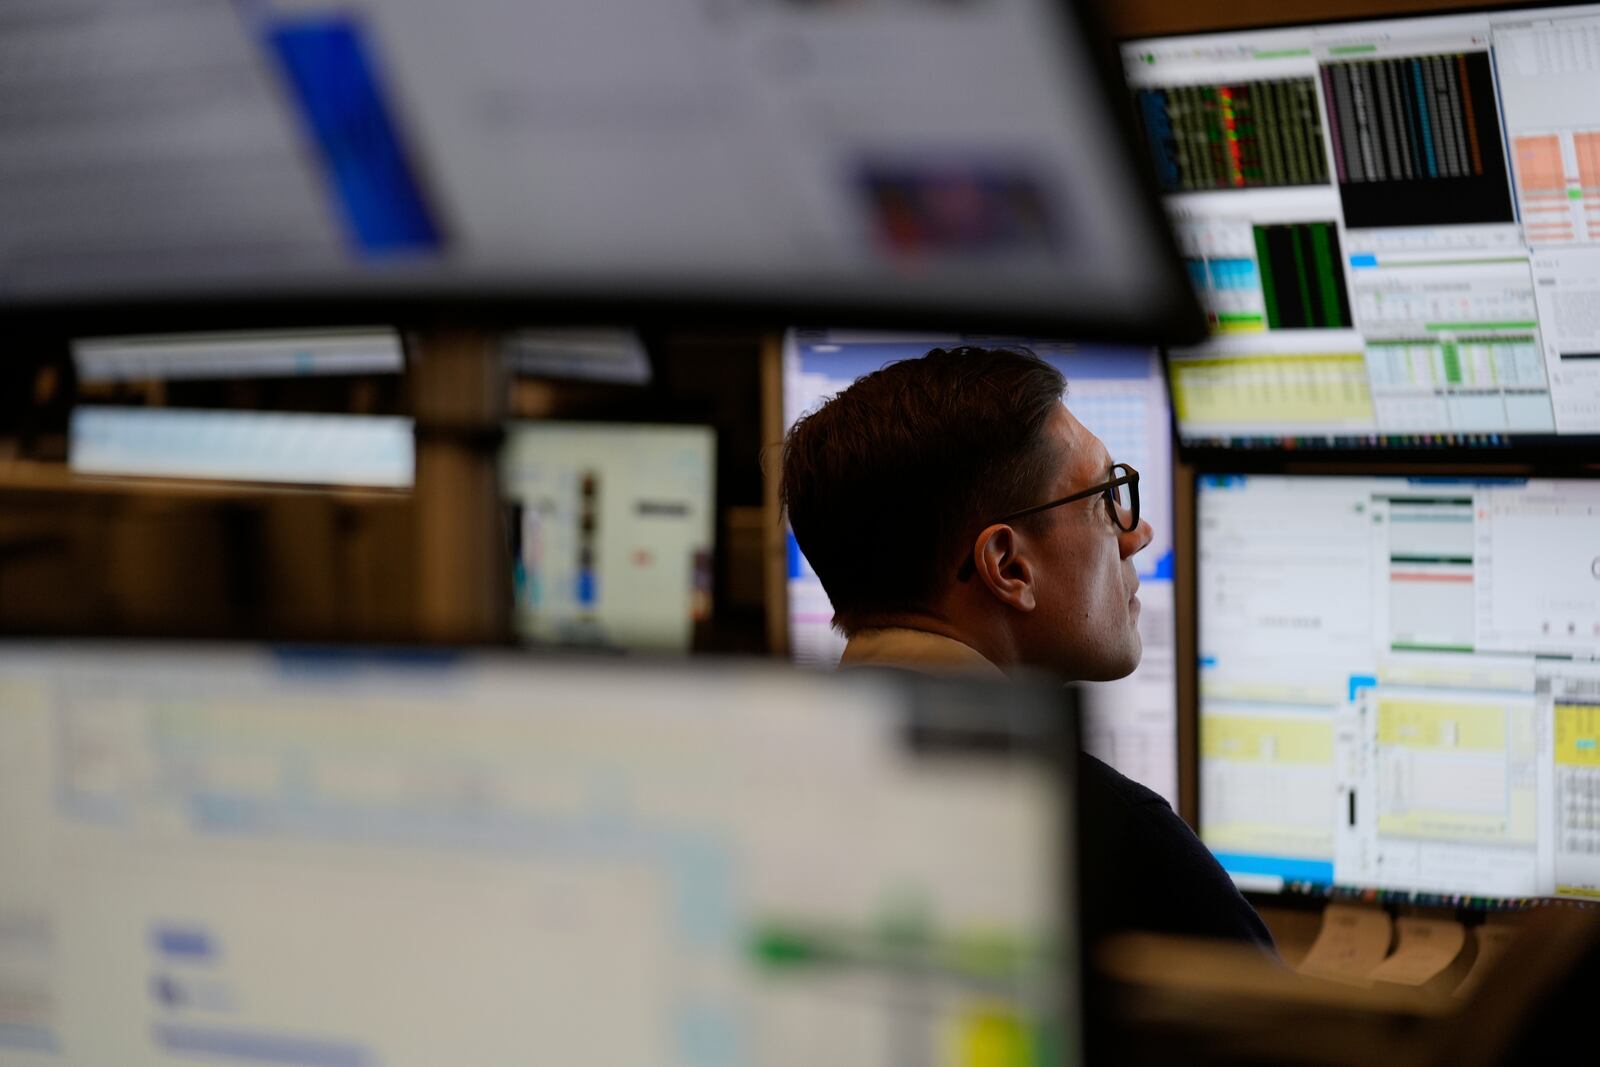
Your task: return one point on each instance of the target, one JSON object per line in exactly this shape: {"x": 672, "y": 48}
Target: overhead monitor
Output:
{"x": 256, "y": 354}
{"x": 243, "y": 446}
{"x": 612, "y": 528}
{"x": 314, "y": 859}
{"x": 1118, "y": 393}
{"x": 1394, "y": 227}
{"x": 886, "y": 160}
{"x": 610, "y": 355}
{"x": 1399, "y": 684}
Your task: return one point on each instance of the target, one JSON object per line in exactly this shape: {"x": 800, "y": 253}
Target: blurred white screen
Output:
{"x": 328, "y": 860}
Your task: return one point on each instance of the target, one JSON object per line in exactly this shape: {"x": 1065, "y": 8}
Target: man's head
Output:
{"x": 892, "y": 485}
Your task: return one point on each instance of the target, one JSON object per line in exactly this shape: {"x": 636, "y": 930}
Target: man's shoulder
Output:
{"x": 1145, "y": 869}
{"x": 1103, "y": 782}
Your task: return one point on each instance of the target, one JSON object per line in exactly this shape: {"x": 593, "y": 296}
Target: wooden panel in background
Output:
{"x": 161, "y": 559}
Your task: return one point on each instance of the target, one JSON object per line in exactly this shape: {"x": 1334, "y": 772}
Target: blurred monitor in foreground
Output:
{"x": 893, "y": 159}
{"x": 612, "y": 530}
{"x": 243, "y": 446}
{"x": 1394, "y": 227}
{"x": 324, "y": 860}
{"x": 1118, "y": 393}
{"x": 1400, "y": 684}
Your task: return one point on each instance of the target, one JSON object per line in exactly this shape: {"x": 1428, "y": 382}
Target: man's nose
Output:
{"x": 1136, "y": 540}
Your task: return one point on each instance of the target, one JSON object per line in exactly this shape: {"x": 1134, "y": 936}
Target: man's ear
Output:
{"x": 1004, "y": 568}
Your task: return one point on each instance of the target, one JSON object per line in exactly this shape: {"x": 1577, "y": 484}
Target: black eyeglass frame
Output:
{"x": 1128, "y": 477}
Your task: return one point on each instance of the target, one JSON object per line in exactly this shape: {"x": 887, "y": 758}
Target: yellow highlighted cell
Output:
{"x": 1586, "y": 892}
{"x": 1267, "y": 738}
{"x": 1317, "y": 389}
{"x": 993, "y": 1038}
{"x": 1578, "y": 735}
{"x": 1439, "y": 724}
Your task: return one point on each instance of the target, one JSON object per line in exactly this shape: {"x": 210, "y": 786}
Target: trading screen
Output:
{"x": 1394, "y": 227}
{"x": 1116, "y": 392}
{"x": 248, "y": 354}
{"x": 302, "y": 448}
{"x": 1400, "y": 683}
{"x": 326, "y": 860}
{"x": 611, "y": 530}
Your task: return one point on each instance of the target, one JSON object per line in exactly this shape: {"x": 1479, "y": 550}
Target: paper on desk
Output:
{"x": 1353, "y": 941}
{"x": 1423, "y": 949}
{"x": 1493, "y": 939}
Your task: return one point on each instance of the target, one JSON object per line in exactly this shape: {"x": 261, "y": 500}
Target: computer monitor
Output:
{"x": 1118, "y": 393}
{"x": 248, "y": 354}
{"x": 1399, "y": 684}
{"x": 1394, "y": 226}
{"x": 612, "y": 528}
{"x": 243, "y": 446}
{"x": 780, "y": 158}
{"x": 316, "y": 859}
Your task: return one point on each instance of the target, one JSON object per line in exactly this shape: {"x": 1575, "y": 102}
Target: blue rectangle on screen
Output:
{"x": 183, "y": 943}
{"x": 797, "y": 567}
{"x": 258, "y": 1047}
{"x": 332, "y": 78}
{"x": 1366, "y": 260}
{"x": 1318, "y": 872}
{"x": 1163, "y": 568}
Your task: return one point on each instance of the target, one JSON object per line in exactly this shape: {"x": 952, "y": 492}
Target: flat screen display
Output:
{"x": 1400, "y": 684}
{"x": 331, "y": 859}
{"x": 1394, "y": 228}
{"x": 612, "y": 528}
{"x": 876, "y": 158}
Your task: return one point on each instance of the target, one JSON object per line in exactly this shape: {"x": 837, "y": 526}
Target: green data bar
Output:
{"x": 1326, "y": 266}
{"x": 1282, "y": 53}
{"x": 1452, "y": 364}
{"x": 1353, "y": 50}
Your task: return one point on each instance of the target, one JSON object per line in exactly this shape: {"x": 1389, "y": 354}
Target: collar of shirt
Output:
{"x": 916, "y": 650}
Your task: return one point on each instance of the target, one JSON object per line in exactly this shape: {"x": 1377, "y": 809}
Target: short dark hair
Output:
{"x": 887, "y": 482}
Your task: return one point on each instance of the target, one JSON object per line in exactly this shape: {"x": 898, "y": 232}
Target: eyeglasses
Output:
{"x": 1126, "y": 518}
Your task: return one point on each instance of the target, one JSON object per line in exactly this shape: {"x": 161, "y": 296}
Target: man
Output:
{"x": 961, "y": 519}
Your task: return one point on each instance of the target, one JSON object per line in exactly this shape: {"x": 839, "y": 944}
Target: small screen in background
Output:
{"x": 611, "y": 530}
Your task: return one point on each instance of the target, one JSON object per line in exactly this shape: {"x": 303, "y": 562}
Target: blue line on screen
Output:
{"x": 1318, "y": 872}
{"x": 332, "y": 78}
